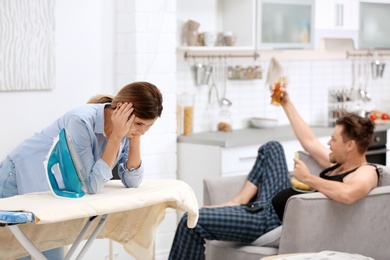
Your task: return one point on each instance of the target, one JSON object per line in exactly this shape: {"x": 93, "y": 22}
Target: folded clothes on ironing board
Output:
{"x": 134, "y": 215}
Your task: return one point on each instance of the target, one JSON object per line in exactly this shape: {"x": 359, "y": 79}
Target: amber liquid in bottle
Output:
{"x": 277, "y": 93}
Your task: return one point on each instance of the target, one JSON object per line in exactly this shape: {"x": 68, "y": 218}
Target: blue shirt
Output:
{"x": 85, "y": 125}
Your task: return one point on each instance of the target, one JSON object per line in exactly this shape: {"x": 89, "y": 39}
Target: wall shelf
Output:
{"x": 369, "y": 53}
{"x": 186, "y": 53}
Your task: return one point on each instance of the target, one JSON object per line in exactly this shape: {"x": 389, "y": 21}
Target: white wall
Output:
{"x": 146, "y": 50}
{"x": 79, "y": 73}
{"x": 100, "y": 47}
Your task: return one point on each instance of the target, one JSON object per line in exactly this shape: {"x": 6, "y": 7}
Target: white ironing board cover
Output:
{"x": 135, "y": 214}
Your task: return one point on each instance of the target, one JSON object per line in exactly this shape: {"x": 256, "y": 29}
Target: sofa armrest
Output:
{"x": 311, "y": 164}
{"x": 222, "y": 189}
{"x": 313, "y": 223}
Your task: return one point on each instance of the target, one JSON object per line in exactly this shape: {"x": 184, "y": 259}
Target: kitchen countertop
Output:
{"x": 249, "y": 136}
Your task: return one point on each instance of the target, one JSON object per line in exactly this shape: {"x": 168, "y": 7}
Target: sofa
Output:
{"x": 312, "y": 222}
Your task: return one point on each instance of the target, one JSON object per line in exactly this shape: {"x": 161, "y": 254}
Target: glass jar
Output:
{"x": 224, "y": 119}
{"x": 185, "y": 113}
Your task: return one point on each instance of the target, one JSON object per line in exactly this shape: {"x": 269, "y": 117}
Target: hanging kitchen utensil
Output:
{"x": 207, "y": 74}
{"x": 224, "y": 99}
{"x": 361, "y": 80}
{"x": 202, "y": 72}
{"x": 224, "y": 116}
{"x": 213, "y": 86}
{"x": 199, "y": 70}
{"x": 213, "y": 100}
{"x": 365, "y": 94}
{"x": 354, "y": 93}
{"x": 207, "y": 118}
{"x": 381, "y": 69}
{"x": 377, "y": 67}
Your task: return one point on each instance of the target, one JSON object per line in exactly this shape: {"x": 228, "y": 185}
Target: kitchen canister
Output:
{"x": 229, "y": 38}
{"x": 191, "y": 33}
{"x": 185, "y": 113}
{"x": 210, "y": 38}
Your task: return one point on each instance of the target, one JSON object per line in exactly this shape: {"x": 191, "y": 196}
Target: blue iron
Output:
{"x": 63, "y": 162}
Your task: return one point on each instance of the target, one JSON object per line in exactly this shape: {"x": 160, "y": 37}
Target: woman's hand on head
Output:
{"x": 122, "y": 118}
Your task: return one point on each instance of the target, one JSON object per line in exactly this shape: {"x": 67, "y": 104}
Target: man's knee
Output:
{"x": 274, "y": 144}
{"x": 271, "y": 145}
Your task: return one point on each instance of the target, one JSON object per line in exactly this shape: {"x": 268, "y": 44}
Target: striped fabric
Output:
{"x": 270, "y": 175}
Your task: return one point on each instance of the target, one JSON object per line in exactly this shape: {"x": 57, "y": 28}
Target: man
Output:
{"x": 347, "y": 179}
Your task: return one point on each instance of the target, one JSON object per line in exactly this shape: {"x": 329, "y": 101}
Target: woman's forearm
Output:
{"x": 111, "y": 151}
{"x": 134, "y": 159}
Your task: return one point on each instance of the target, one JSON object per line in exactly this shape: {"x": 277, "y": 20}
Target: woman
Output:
{"x": 106, "y": 132}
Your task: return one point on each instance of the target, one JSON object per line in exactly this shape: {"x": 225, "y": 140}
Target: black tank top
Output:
{"x": 279, "y": 200}
{"x": 338, "y": 177}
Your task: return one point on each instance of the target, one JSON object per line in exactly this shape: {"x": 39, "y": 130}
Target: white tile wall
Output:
{"x": 145, "y": 51}
{"x": 309, "y": 82}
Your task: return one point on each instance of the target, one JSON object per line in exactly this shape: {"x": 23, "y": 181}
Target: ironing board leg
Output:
{"x": 79, "y": 238}
{"x": 92, "y": 237}
{"x": 26, "y": 243}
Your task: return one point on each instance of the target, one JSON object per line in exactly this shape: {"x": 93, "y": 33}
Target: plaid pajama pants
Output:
{"x": 270, "y": 175}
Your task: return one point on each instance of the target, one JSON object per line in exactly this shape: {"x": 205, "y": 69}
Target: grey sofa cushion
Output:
{"x": 360, "y": 227}
{"x": 384, "y": 175}
{"x": 216, "y": 250}
{"x": 269, "y": 239}
{"x": 312, "y": 164}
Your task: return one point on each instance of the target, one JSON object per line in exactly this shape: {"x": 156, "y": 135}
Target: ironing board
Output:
{"x": 40, "y": 221}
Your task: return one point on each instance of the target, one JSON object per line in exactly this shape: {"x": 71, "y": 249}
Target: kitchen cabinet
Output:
{"x": 242, "y": 18}
{"x": 259, "y": 27}
{"x": 220, "y": 16}
{"x": 336, "y": 15}
{"x": 238, "y": 17}
{"x": 257, "y": 24}
{"x": 336, "y": 19}
{"x": 374, "y": 24}
{"x": 285, "y": 24}
{"x": 272, "y": 24}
